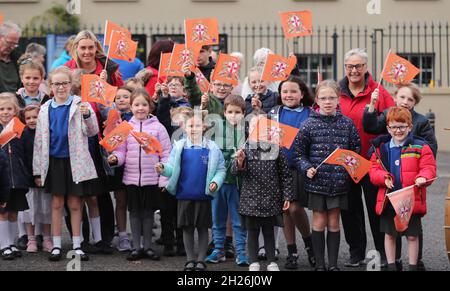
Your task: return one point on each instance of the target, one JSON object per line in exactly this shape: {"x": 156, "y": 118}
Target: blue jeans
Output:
{"x": 227, "y": 201}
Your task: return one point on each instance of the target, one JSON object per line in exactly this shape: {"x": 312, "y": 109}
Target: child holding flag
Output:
{"x": 266, "y": 185}
{"x": 400, "y": 160}
{"x": 61, "y": 159}
{"x": 295, "y": 109}
{"x": 141, "y": 180}
{"x": 194, "y": 154}
{"x": 327, "y": 186}
{"x": 261, "y": 97}
{"x": 20, "y": 176}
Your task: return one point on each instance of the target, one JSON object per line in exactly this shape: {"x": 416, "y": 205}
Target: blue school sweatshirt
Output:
{"x": 59, "y": 127}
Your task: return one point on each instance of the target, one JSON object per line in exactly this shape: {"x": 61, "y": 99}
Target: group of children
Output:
{"x": 204, "y": 178}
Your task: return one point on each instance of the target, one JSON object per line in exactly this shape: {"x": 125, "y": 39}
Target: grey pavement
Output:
{"x": 435, "y": 255}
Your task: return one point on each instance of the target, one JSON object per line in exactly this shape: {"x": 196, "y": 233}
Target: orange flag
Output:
{"x": 199, "y": 32}
{"x": 93, "y": 89}
{"x": 227, "y": 69}
{"x": 1, "y": 18}
{"x": 278, "y": 68}
{"x": 403, "y": 203}
{"x": 274, "y": 132}
{"x": 202, "y": 82}
{"x": 296, "y": 23}
{"x": 110, "y": 27}
{"x": 164, "y": 67}
{"x": 182, "y": 54}
{"x": 149, "y": 144}
{"x": 122, "y": 47}
{"x": 116, "y": 137}
{"x": 112, "y": 121}
{"x": 12, "y": 130}
{"x": 356, "y": 166}
{"x": 398, "y": 70}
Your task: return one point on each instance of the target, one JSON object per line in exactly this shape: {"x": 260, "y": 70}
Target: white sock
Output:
{"x": 96, "y": 228}
{"x": 57, "y": 242}
{"x": 4, "y": 234}
{"x": 21, "y": 226}
{"x": 76, "y": 241}
{"x": 12, "y": 232}
{"x": 123, "y": 234}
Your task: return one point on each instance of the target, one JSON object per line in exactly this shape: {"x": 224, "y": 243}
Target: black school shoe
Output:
{"x": 152, "y": 255}
{"x": 17, "y": 253}
{"x": 55, "y": 257}
{"x": 291, "y": 262}
{"x": 22, "y": 242}
{"x": 168, "y": 251}
{"x": 189, "y": 266}
{"x": 7, "y": 254}
{"x": 200, "y": 266}
{"x": 104, "y": 247}
{"x": 135, "y": 255}
{"x": 83, "y": 257}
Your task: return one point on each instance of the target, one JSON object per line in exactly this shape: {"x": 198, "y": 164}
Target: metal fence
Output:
{"x": 425, "y": 44}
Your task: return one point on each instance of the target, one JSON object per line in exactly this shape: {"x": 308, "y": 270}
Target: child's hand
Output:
{"x": 186, "y": 69}
{"x": 205, "y": 100}
{"x": 165, "y": 89}
{"x": 38, "y": 182}
{"x": 389, "y": 183}
{"x": 256, "y": 103}
{"x": 375, "y": 96}
{"x": 286, "y": 205}
{"x": 311, "y": 173}
{"x": 421, "y": 181}
{"x": 159, "y": 168}
{"x": 104, "y": 75}
{"x": 84, "y": 109}
{"x": 112, "y": 159}
{"x": 157, "y": 87}
{"x": 213, "y": 187}
{"x": 240, "y": 157}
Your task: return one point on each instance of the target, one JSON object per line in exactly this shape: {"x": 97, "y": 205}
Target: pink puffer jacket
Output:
{"x": 140, "y": 166}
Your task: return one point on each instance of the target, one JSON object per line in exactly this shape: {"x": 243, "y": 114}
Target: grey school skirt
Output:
{"x": 196, "y": 213}
{"x": 322, "y": 203}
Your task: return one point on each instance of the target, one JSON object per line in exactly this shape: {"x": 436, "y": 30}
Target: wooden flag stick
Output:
{"x": 109, "y": 49}
{"x": 159, "y": 68}
{"x": 384, "y": 68}
{"x": 406, "y": 188}
{"x": 327, "y": 158}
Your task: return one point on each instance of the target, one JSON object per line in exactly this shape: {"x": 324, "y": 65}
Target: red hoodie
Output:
{"x": 353, "y": 108}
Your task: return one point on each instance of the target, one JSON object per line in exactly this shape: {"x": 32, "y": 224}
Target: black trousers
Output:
{"x": 170, "y": 234}
{"x": 354, "y": 221}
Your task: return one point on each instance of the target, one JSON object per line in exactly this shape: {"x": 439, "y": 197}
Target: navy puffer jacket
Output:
{"x": 319, "y": 136}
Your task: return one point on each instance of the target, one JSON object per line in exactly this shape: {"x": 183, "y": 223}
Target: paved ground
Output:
{"x": 435, "y": 256}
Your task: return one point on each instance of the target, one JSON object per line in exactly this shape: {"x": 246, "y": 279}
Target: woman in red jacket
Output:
{"x": 356, "y": 92}
{"x": 400, "y": 160}
{"x": 162, "y": 46}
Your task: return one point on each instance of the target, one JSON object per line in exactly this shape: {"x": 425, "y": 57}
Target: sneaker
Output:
{"x": 104, "y": 247}
{"x": 47, "y": 246}
{"x": 216, "y": 256}
{"x": 242, "y": 260}
{"x": 32, "y": 246}
{"x": 354, "y": 262}
{"x": 273, "y": 267}
{"x": 22, "y": 242}
{"x": 291, "y": 262}
{"x": 210, "y": 248}
{"x": 229, "y": 250}
{"x": 254, "y": 267}
{"x": 40, "y": 241}
{"x": 124, "y": 244}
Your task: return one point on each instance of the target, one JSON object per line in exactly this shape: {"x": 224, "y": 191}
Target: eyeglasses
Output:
{"x": 61, "y": 84}
{"x": 401, "y": 128}
{"x": 330, "y": 98}
{"x": 11, "y": 43}
{"x": 225, "y": 86}
{"x": 350, "y": 67}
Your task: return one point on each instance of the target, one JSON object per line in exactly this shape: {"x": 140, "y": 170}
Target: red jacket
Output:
{"x": 417, "y": 160}
{"x": 114, "y": 76}
{"x": 150, "y": 86}
{"x": 353, "y": 108}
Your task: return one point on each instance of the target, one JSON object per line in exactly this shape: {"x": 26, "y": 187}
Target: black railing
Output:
{"x": 425, "y": 44}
